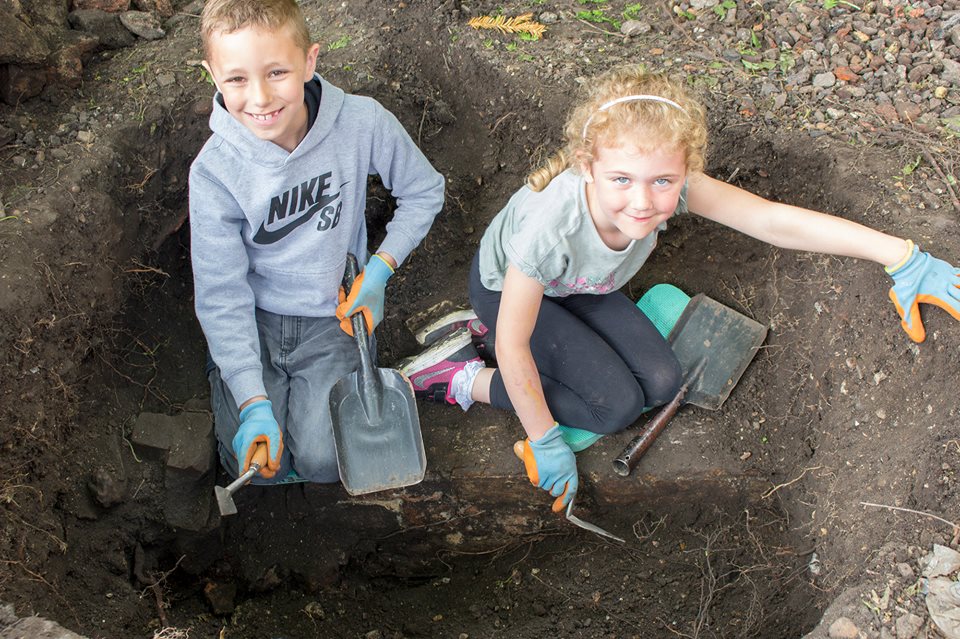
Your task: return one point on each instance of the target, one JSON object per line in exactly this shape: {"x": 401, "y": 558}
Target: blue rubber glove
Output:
{"x": 366, "y": 295}
{"x": 923, "y": 279}
{"x": 551, "y": 465}
{"x": 257, "y": 424}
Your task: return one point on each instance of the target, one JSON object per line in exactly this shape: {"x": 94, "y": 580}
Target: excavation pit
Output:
{"x": 737, "y": 522}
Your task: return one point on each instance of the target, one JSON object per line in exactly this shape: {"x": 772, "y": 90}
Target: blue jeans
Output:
{"x": 302, "y": 358}
{"x": 601, "y": 360}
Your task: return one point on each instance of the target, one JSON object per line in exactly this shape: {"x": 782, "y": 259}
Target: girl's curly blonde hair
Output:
{"x": 645, "y": 124}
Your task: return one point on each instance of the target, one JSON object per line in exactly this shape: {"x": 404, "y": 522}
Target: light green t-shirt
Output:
{"x": 550, "y": 236}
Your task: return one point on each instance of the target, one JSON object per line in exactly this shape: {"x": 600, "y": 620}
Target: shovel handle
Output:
{"x": 626, "y": 461}
{"x": 350, "y": 274}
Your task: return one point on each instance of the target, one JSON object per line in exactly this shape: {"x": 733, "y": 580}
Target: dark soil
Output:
{"x": 97, "y": 326}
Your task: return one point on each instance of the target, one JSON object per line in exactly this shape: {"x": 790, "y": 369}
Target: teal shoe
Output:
{"x": 663, "y": 304}
{"x": 577, "y": 438}
{"x": 292, "y": 478}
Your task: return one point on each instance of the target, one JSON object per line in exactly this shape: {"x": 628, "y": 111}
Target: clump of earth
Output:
{"x": 809, "y": 504}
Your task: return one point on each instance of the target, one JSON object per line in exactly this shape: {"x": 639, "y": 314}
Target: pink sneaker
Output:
{"x": 445, "y": 371}
{"x": 450, "y": 322}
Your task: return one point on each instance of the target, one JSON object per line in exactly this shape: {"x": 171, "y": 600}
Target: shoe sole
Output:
{"x": 438, "y": 352}
{"x": 430, "y": 333}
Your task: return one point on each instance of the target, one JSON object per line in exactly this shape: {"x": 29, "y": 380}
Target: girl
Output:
{"x": 571, "y": 348}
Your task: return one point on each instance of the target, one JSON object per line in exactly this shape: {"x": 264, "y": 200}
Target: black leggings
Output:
{"x": 601, "y": 360}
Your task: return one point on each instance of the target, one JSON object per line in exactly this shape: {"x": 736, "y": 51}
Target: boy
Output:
{"x": 277, "y": 197}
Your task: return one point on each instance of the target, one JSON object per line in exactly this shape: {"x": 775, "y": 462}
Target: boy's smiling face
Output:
{"x": 261, "y": 75}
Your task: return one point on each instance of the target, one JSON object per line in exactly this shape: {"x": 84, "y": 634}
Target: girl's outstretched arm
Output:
{"x": 787, "y": 226}
{"x": 519, "y": 307}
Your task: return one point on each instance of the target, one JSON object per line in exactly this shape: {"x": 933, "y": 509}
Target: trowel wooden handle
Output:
{"x": 260, "y": 456}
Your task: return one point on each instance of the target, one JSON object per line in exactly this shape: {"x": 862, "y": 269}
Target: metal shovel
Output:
{"x": 376, "y": 427}
{"x": 714, "y": 344}
{"x": 224, "y": 495}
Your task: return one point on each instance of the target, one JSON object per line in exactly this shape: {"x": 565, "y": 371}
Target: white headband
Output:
{"x": 631, "y": 98}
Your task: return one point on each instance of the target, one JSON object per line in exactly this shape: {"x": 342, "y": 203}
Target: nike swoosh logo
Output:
{"x": 420, "y": 380}
{"x": 264, "y": 236}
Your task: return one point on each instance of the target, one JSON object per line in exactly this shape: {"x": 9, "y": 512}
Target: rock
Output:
{"x": 951, "y": 71}
{"x": 146, "y": 25}
{"x": 549, "y": 17}
{"x": 163, "y": 8}
{"x": 105, "y": 26}
{"x": 20, "y": 43}
{"x": 908, "y": 626}
{"x": 67, "y": 62}
{"x": 887, "y": 112}
{"x": 843, "y": 628}
{"x": 221, "y": 597}
{"x": 107, "y": 489}
{"x": 632, "y": 28}
{"x": 104, "y": 5}
{"x": 919, "y": 72}
{"x": 824, "y": 80}
{"x": 908, "y": 111}
{"x": 21, "y": 83}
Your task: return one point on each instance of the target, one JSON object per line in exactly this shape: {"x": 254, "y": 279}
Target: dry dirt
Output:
{"x": 96, "y": 326}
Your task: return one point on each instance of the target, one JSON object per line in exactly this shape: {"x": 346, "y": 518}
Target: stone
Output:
{"x": 112, "y": 6}
{"x": 908, "y": 111}
{"x": 905, "y": 570}
{"x": 146, "y": 25}
{"x": 908, "y": 626}
{"x": 887, "y": 112}
{"x": 162, "y": 8}
{"x": 106, "y": 488}
{"x": 824, "y": 80}
{"x": 843, "y": 628}
{"x": 221, "y": 597}
{"x": 39, "y": 628}
{"x": 151, "y": 435}
{"x": 632, "y": 28}
{"x": 951, "y": 71}
{"x": 21, "y": 83}
{"x": 919, "y": 72}
{"x": 67, "y": 63}
{"x": 20, "y": 44}
{"x": 191, "y": 443}
{"x": 105, "y": 26}
{"x": 549, "y": 17}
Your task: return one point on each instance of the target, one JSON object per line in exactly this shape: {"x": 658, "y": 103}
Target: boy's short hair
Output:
{"x": 227, "y": 16}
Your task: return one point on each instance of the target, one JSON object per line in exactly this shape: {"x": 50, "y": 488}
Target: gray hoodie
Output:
{"x": 272, "y": 229}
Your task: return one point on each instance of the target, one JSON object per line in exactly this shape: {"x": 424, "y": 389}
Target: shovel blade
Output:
{"x": 378, "y": 449}
{"x": 719, "y": 338}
